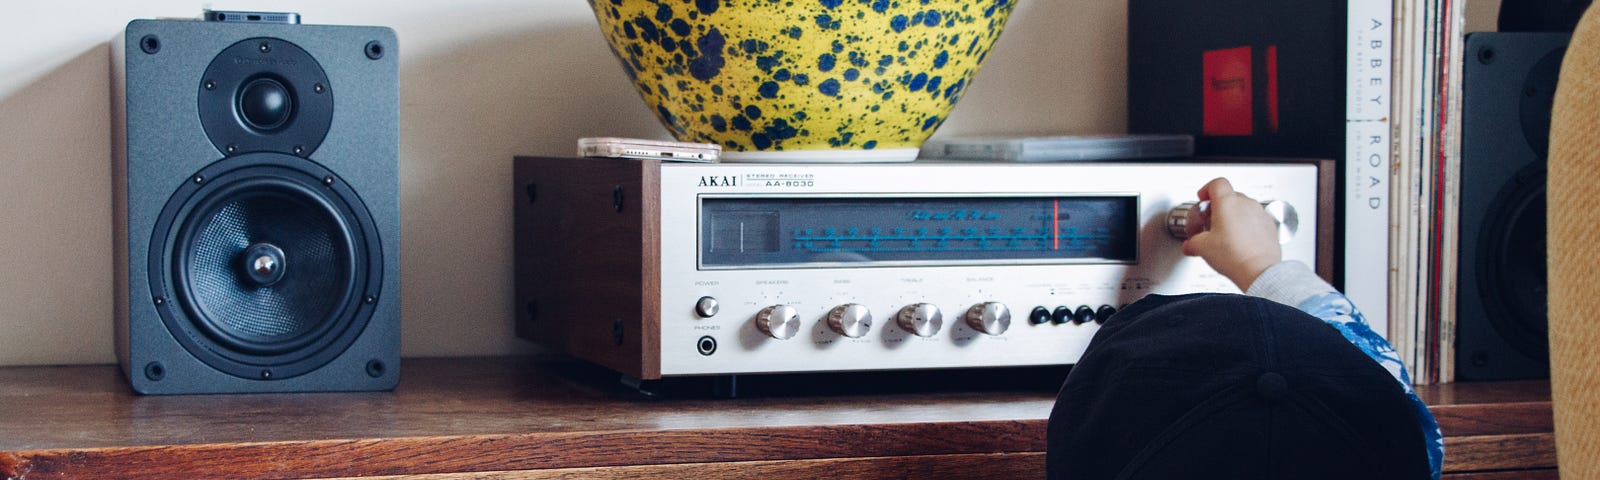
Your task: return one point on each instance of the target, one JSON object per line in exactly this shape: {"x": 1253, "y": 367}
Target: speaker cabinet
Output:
{"x": 256, "y": 186}
{"x": 1509, "y": 85}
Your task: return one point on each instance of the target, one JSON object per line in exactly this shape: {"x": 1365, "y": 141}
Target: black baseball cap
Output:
{"x": 1232, "y": 387}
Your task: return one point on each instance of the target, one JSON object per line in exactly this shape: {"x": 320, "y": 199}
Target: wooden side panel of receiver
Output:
{"x": 588, "y": 248}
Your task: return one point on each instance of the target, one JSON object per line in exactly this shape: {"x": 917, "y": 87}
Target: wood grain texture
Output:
{"x": 1500, "y": 452}
{"x": 1494, "y": 418}
{"x": 1327, "y": 247}
{"x": 587, "y": 259}
{"x": 1549, "y": 474}
{"x": 996, "y": 465}
{"x": 514, "y": 414}
{"x": 418, "y": 455}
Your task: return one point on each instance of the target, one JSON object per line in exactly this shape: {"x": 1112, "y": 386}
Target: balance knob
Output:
{"x": 778, "y": 321}
{"x": 851, "y": 320}
{"x": 922, "y": 319}
{"x": 992, "y": 318}
{"x": 1283, "y": 214}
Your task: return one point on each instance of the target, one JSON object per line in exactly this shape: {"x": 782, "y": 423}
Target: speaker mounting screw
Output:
{"x": 231, "y": 149}
{"x": 616, "y": 198}
{"x": 154, "y": 371}
{"x": 318, "y": 88}
{"x": 328, "y": 180}
{"x": 211, "y": 84}
{"x": 266, "y": 374}
{"x": 1486, "y": 55}
{"x": 199, "y": 179}
{"x": 160, "y": 300}
{"x": 299, "y": 150}
{"x": 374, "y": 50}
{"x": 375, "y": 368}
{"x": 371, "y": 299}
{"x": 150, "y": 44}
{"x": 265, "y": 47}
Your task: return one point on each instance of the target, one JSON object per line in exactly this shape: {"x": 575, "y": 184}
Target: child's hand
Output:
{"x": 1235, "y": 236}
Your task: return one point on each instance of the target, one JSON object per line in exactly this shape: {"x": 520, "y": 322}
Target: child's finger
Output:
{"x": 1197, "y": 244}
{"x": 1199, "y": 219}
{"x": 1217, "y": 188}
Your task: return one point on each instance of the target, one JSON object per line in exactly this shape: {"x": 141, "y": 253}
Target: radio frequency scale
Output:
{"x": 673, "y": 269}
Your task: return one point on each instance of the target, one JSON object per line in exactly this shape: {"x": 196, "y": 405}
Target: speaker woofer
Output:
{"x": 270, "y": 263}
{"x": 1512, "y": 283}
{"x": 262, "y": 263}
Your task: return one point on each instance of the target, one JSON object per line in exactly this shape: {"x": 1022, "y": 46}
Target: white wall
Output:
{"x": 481, "y": 81}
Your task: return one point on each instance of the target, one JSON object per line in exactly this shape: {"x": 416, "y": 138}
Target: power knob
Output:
{"x": 778, "y": 321}
{"x": 1283, "y": 214}
{"x": 922, "y": 319}
{"x": 992, "y": 318}
{"x": 851, "y": 320}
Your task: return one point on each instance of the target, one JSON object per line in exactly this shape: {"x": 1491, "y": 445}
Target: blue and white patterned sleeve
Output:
{"x": 1293, "y": 283}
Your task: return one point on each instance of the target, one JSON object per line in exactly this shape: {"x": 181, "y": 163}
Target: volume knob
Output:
{"x": 778, "y": 321}
{"x": 921, "y": 319}
{"x": 851, "y": 320}
{"x": 992, "y": 318}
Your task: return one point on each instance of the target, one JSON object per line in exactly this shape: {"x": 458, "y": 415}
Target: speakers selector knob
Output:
{"x": 778, "y": 321}
{"x": 992, "y": 318}
{"x": 921, "y": 319}
{"x": 851, "y": 320}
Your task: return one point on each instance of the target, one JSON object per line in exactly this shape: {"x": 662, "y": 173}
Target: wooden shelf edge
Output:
{"x": 1485, "y": 453}
{"x": 439, "y": 455}
{"x": 487, "y": 453}
{"x": 991, "y": 465}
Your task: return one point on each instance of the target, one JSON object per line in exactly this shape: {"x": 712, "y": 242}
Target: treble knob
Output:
{"x": 851, "y": 320}
{"x": 1283, "y": 214}
{"x": 921, "y": 319}
{"x": 992, "y": 318}
{"x": 778, "y": 321}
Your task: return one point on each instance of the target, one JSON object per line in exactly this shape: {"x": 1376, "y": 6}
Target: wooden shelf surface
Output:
{"x": 517, "y": 417}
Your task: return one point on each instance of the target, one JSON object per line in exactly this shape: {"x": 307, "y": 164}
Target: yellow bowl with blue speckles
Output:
{"x": 803, "y": 80}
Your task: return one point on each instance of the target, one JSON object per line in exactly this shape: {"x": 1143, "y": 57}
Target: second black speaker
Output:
{"x": 1509, "y": 83}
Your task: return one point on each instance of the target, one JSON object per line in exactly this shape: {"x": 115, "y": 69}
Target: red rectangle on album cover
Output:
{"x": 1226, "y": 97}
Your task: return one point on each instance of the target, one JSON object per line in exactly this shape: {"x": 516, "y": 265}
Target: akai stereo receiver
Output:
{"x": 659, "y": 269}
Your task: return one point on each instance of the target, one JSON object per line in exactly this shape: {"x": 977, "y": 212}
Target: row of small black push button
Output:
{"x": 1063, "y": 314}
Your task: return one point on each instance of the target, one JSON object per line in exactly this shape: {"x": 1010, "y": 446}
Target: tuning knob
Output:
{"x": 992, "y": 318}
{"x": 922, "y": 319}
{"x": 778, "y": 321}
{"x": 851, "y": 320}
{"x": 1178, "y": 218}
{"x": 1284, "y": 214}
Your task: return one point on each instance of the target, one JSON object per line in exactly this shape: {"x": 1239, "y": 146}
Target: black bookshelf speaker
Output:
{"x": 1509, "y": 84}
{"x": 257, "y": 220}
